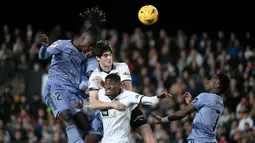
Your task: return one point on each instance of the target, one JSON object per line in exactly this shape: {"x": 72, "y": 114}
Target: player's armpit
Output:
{"x": 127, "y": 84}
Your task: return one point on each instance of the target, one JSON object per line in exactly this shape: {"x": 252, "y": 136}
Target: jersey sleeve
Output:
{"x": 87, "y": 68}
{"x": 101, "y": 94}
{"x": 91, "y": 65}
{"x": 134, "y": 98}
{"x": 200, "y": 101}
{"x": 45, "y": 52}
{"x": 125, "y": 73}
{"x": 137, "y": 118}
{"x": 84, "y": 82}
{"x": 93, "y": 85}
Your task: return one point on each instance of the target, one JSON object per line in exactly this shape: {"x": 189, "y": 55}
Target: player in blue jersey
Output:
{"x": 209, "y": 106}
{"x": 66, "y": 77}
{"x": 89, "y": 65}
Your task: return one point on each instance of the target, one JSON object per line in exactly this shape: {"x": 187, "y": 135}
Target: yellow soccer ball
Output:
{"x": 148, "y": 14}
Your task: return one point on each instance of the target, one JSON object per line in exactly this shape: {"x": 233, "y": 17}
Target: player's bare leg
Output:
{"x": 66, "y": 117}
{"x": 92, "y": 138}
{"x": 139, "y": 123}
{"x": 82, "y": 123}
{"x": 146, "y": 133}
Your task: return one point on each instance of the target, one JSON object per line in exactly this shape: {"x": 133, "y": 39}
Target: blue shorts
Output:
{"x": 58, "y": 99}
{"x": 198, "y": 141}
{"x": 96, "y": 124}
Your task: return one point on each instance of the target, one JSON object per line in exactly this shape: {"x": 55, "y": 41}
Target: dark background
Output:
{"x": 191, "y": 16}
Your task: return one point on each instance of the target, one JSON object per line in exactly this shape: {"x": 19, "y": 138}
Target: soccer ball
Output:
{"x": 148, "y": 14}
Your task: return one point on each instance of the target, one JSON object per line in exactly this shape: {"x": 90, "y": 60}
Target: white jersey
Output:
{"x": 116, "y": 123}
{"x": 120, "y": 68}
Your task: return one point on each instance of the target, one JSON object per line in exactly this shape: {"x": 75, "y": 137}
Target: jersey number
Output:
{"x": 218, "y": 116}
{"x": 104, "y": 112}
{"x": 57, "y": 95}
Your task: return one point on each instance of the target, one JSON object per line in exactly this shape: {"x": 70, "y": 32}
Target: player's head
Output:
{"x": 112, "y": 85}
{"x": 103, "y": 53}
{"x": 90, "y": 32}
{"x": 219, "y": 83}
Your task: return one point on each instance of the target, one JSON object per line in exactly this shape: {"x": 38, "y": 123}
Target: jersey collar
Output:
{"x": 101, "y": 70}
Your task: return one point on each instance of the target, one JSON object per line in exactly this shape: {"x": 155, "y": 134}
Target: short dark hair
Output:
{"x": 113, "y": 76}
{"x": 224, "y": 82}
{"x": 100, "y": 48}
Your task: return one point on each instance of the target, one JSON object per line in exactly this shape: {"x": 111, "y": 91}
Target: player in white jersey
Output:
{"x": 209, "y": 106}
{"x": 103, "y": 54}
{"x": 117, "y": 123}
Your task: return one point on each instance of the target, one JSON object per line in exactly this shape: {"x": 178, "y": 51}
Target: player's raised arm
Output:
{"x": 148, "y": 100}
{"x": 45, "y": 50}
{"x": 195, "y": 105}
{"x": 97, "y": 104}
{"x": 177, "y": 115}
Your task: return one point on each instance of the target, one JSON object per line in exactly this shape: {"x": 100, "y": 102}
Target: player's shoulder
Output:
{"x": 122, "y": 68}
{"x": 92, "y": 59}
{"x": 96, "y": 71}
{"x": 62, "y": 41}
{"x": 101, "y": 91}
{"x": 119, "y": 65}
{"x": 209, "y": 96}
{"x": 129, "y": 92}
{"x": 203, "y": 94}
{"x": 91, "y": 62}
{"x": 101, "y": 94}
{"x": 59, "y": 42}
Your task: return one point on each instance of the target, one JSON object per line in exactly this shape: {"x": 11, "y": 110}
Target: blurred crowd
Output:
{"x": 157, "y": 61}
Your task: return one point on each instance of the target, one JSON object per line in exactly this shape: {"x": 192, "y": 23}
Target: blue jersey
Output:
{"x": 89, "y": 65}
{"x": 209, "y": 108}
{"x": 66, "y": 64}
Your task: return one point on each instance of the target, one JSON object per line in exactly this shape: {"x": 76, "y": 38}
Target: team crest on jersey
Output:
{"x": 54, "y": 44}
{"x": 104, "y": 112}
{"x": 126, "y": 73}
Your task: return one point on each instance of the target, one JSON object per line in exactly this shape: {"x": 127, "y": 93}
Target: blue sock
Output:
{"x": 73, "y": 135}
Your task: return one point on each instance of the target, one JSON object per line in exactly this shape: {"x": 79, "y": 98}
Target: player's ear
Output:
{"x": 83, "y": 37}
{"x": 98, "y": 58}
{"x": 217, "y": 84}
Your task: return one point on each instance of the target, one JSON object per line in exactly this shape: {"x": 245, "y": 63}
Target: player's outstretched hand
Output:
{"x": 163, "y": 95}
{"x": 187, "y": 97}
{"x": 158, "y": 118}
{"x": 98, "y": 80}
{"x": 119, "y": 106}
{"x": 77, "y": 105}
{"x": 44, "y": 40}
